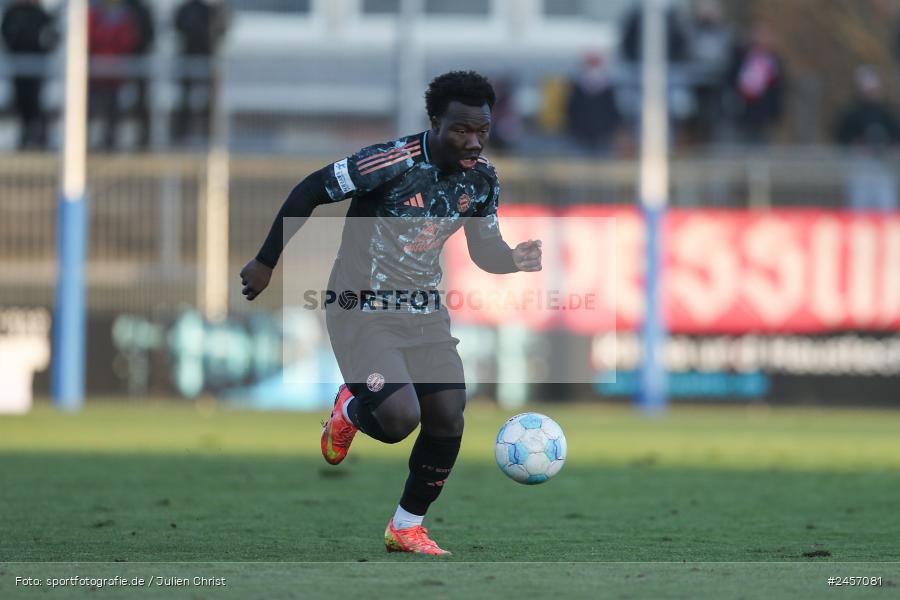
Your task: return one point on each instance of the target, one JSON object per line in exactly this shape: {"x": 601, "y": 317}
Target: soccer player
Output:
{"x": 394, "y": 348}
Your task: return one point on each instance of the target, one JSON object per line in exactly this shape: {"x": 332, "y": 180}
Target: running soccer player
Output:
{"x": 394, "y": 348}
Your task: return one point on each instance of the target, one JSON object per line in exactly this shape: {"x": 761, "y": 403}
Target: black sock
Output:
{"x": 430, "y": 463}
{"x": 361, "y": 416}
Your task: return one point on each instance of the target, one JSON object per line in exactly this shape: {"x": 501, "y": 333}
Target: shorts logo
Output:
{"x": 342, "y": 175}
{"x": 375, "y": 382}
{"x": 464, "y": 202}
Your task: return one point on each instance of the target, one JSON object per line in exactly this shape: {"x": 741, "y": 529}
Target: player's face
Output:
{"x": 461, "y": 134}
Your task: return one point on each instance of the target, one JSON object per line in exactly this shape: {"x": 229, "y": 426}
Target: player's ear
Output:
{"x": 435, "y": 122}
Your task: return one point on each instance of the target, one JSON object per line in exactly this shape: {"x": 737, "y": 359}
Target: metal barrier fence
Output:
{"x": 144, "y": 208}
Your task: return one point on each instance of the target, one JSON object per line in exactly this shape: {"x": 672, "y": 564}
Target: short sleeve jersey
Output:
{"x": 411, "y": 208}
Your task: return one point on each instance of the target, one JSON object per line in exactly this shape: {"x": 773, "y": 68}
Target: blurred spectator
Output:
{"x": 592, "y": 117}
{"x": 506, "y": 127}
{"x": 632, "y": 35}
{"x": 146, "y": 32}
{"x": 897, "y": 41}
{"x": 757, "y": 81}
{"x": 112, "y": 34}
{"x": 868, "y": 122}
{"x": 682, "y": 105}
{"x": 711, "y": 42}
{"x": 201, "y": 26}
{"x": 868, "y": 127}
{"x": 28, "y": 30}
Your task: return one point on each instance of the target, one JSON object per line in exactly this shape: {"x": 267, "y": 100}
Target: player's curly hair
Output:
{"x": 468, "y": 87}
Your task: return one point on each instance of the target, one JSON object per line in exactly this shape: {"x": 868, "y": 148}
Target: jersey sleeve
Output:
{"x": 371, "y": 167}
{"x": 486, "y": 246}
{"x": 486, "y": 223}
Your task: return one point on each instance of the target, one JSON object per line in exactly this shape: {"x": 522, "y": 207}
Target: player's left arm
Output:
{"x": 486, "y": 246}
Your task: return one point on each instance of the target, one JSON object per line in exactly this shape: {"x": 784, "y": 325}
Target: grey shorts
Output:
{"x": 378, "y": 354}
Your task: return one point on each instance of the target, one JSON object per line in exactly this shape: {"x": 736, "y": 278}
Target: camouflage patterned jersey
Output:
{"x": 412, "y": 209}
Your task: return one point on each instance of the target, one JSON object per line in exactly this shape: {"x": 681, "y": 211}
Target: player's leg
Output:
{"x": 434, "y": 453}
{"x": 387, "y": 417}
{"x": 377, "y": 400}
{"x": 437, "y": 370}
{"x": 440, "y": 383}
{"x": 430, "y": 462}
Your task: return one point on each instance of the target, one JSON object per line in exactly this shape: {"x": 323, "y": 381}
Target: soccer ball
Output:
{"x": 530, "y": 448}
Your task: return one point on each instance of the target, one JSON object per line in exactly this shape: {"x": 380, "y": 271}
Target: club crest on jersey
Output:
{"x": 464, "y": 203}
{"x": 375, "y": 382}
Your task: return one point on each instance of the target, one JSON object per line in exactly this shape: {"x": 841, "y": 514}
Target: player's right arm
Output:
{"x": 305, "y": 196}
{"x": 355, "y": 175}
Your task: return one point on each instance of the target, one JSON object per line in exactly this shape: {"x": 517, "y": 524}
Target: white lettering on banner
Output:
{"x": 777, "y": 271}
{"x": 581, "y": 274}
{"x": 605, "y": 352}
{"x": 775, "y": 279}
{"x": 890, "y": 294}
{"x": 847, "y": 354}
{"x": 826, "y": 300}
{"x": 586, "y": 270}
{"x": 630, "y": 267}
{"x": 24, "y": 349}
{"x": 704, "y": 276}
{"x": 861, "y": 288}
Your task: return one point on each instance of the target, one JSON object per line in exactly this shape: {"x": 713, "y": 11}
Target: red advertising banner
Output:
{"x": 725, "y": 271}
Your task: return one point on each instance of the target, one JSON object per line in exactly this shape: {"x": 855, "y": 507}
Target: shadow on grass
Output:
{"x": 180, "y": 507}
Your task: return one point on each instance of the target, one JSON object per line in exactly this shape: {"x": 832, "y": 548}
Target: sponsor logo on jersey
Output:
{"x": 375, "y": 382}
{"x": 426, "y": 239}
{"x": 342, "y": 174}
{"x": 464, "y": 203}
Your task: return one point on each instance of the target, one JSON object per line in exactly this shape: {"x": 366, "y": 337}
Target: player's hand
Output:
{"x": 255, "y": 278}
{"x": 527, "y": 255}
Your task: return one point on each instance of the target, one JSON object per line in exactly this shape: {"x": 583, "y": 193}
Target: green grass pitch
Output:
{"x": 724, "y": 502}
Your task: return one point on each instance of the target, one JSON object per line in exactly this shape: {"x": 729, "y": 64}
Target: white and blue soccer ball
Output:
{"x": 530, "y": 448}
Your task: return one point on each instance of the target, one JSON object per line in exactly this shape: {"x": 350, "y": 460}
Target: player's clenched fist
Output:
{"x": 527, "y": 255}
{"x": 255, "y": 278}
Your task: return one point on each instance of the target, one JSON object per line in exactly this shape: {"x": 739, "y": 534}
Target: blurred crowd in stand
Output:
{"x": 29, "y": 30}
{"x": 118, "y": 30}
{"x": 727, "y": 87}
{"x": 724, "y": 86}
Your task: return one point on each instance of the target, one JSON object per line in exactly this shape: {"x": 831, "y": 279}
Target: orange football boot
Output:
{"x": 337, "y": 435}
{"x": 413, "y": 539}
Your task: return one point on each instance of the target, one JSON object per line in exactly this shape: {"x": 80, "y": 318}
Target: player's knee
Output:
{"x": 399, "y": 426}
{"x": 457, "y": 424}
{"x": 451, "y": 425}
{"x": 444, "y": 414}
{"x": 399, "y": 414}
